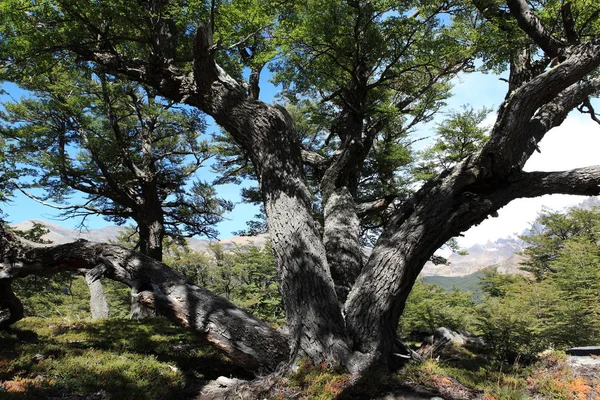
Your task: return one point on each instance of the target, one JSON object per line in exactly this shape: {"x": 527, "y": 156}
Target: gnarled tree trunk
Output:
{"x": 248, "y": 341}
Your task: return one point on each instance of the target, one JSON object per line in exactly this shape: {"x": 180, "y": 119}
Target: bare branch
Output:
{"x": 589, "y": 109}
{"x": 86, "y": 206}
{"x": 241, "y": 42}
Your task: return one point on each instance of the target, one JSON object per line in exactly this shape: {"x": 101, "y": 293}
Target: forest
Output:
{"x": 120, "y": 95}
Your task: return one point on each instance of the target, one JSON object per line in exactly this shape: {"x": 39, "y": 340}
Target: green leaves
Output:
{"x": 244, "y": 274}
{"x": 523, "y": 316}
{"x": 461, "y": 135}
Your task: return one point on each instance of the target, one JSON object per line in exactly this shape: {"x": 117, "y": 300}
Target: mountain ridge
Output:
{"x": 480, "y": 256}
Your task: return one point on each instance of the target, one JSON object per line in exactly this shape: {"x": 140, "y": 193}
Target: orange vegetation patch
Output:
{"x": 22, "y": 385}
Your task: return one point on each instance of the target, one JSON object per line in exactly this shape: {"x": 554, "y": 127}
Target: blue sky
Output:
{"x": 574, "y": 144}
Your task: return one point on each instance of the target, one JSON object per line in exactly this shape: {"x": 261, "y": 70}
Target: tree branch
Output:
{"x": 313, "y": 159}
{"x": 531, "y": 25}
{"x": 580, "y": 181}
{"x": 375, "y": 206}
{"x": 539, "y": 104}
{"x": 248, "y": 341}
{"x": 568, "y": 23}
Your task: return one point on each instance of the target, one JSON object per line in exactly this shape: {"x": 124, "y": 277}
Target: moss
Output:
{"x": 152, "y": 359}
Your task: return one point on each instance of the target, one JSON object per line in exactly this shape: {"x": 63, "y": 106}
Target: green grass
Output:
{"x": 126, "y": 359}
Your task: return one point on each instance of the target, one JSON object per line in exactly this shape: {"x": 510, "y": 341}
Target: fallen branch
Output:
{"x": 248, "y": 341}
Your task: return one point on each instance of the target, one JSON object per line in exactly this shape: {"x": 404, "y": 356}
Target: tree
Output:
{"x": 429, "y": 307}
{"x": 377, "y": 68}
{"x": 551, "y": 231}
{"x": 132, "y": 154}
{"x": 563, "y": 254}
{"x": 524, "y": 314}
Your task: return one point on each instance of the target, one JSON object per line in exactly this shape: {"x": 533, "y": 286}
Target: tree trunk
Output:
{"x": 438, "y": 212}
{"x": 341, "y": 238}
{"x": 249, "y": 342}
{"x": 11, "y": 309}
{"x": 152, "y": 232}
{"x": 313, "y": 312}
{"x": 98, "y": 304}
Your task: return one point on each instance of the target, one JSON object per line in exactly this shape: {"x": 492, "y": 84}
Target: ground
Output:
{"x": 58, "y": 358}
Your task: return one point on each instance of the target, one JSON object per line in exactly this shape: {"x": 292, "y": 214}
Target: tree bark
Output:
{"x": 11, "y": 308}
{"x": 341, "y": 238}
{"x": 152, "y": 232}
{"x": 98, "y": 303}
{"x": 249, "y": 342}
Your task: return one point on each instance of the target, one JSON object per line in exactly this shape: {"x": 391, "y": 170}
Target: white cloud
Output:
{"x": 574, "y": 144}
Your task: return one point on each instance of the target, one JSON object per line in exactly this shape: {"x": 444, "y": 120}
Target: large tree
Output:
{"x": 375, "y": 67}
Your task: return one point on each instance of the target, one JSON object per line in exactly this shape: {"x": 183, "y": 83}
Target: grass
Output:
{"x": 123, "y": 359}
{"x": 152, "y": 359}
{"x": 550, "y": 377}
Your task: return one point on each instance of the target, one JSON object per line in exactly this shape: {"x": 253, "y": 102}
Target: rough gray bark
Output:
{"x": 98, "y": 304}
{"x": 248, "y": 341}
{"x": 341, "y": 237}
{"x": 151, "y": 234}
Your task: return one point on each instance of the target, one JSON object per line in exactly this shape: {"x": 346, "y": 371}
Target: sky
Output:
{"x": 575, "y": 143}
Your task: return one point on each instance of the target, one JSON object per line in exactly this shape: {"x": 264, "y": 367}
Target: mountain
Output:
{"x": 499, "y": 253}
{"x": 59, "y": 234}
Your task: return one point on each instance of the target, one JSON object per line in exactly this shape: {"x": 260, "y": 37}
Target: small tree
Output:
{"x": 132, "y": 154}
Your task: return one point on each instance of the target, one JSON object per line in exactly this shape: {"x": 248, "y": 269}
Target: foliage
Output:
{"x": 522, "y": 316}
{"x": 67, "y": 295}
{"x": 126, "y": 359}
{"x": 34, "y": 234}
{"x": 245, "y": 275}
{"x": 458, "y": 137}
{"x": 467, "y": 283}
{"x": 430, "y": 306}
{"x": 131, "y": 153}
{"x": 551, "y": 231}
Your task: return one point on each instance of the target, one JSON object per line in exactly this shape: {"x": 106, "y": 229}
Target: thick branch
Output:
{"x": 580, "y": 181}
{"x": 531, "y": 24}
{"x": 510, "y": 143}
{"x": 549, "y": 116}
{"x": 248, "y": 341}
{"x": 313, "y": 159}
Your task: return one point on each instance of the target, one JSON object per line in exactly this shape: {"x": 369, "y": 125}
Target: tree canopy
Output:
{"x": 132, "y": 154}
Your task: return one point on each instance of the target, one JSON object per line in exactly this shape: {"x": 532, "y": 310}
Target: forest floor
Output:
{"x": 115, "y": 359}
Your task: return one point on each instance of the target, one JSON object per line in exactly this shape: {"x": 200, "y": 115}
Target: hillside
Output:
{"x": 500, "y": 253}
{"x": 59, "y": 234}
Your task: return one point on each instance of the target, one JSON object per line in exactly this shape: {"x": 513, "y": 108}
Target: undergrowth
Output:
{"x": 112, "y": 358}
